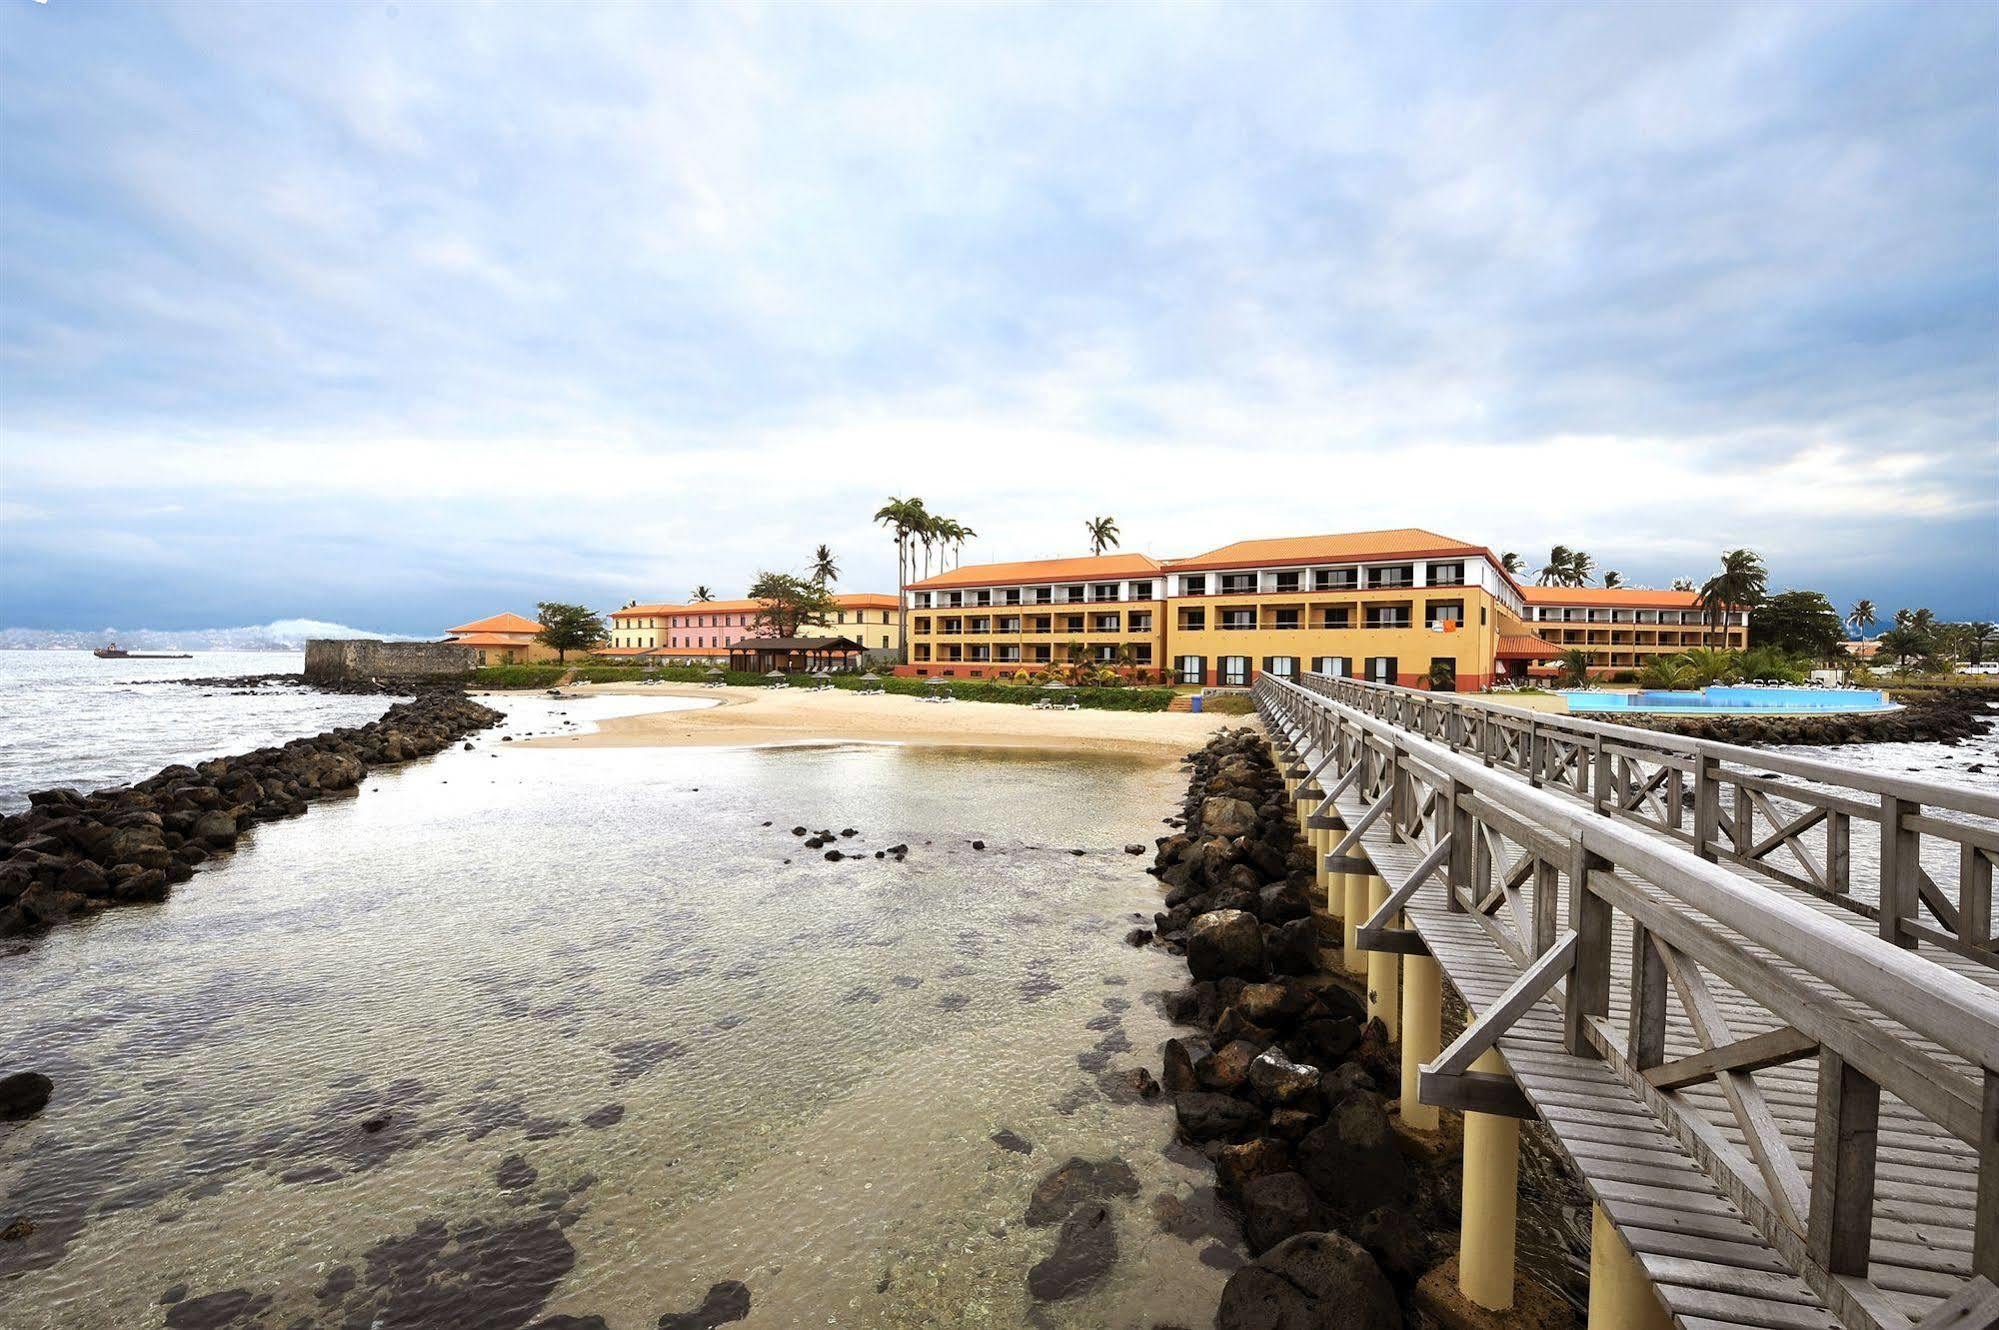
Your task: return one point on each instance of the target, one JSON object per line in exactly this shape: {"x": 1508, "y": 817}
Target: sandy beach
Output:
{"x": 752, "y": 716}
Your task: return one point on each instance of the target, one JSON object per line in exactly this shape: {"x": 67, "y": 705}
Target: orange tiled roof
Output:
{"x": 1043, "y": 570}
{"x": 866, "y": 600}
{"x": 640, "y": 611}
{"x": 1398, "y": 542}
{"x": 500, "y": 623}
{"x": 719, "y": 607}
{"x": 1632, "y": 597}
{"x": 1525, "y": 646}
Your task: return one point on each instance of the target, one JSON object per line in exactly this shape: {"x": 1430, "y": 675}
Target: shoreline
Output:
{"x": 757, "y": 718}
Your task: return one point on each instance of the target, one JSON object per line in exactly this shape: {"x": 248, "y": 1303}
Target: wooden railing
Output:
{"x": 1541, "y": 830}
{"x": 1788, "y": 818}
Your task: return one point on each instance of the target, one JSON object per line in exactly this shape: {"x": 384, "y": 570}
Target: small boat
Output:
{"x": 116, "y": 652}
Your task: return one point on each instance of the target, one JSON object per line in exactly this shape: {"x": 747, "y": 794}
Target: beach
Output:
{"x": 755, "y": 716}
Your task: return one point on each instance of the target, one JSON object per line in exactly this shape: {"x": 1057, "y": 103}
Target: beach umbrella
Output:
{"x": 1054, "y": 683}
{"x": 714, "y": 674}
{"x": 870, "y": 677}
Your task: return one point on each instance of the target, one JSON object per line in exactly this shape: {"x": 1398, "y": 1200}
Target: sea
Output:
{"x": 519, "y": 1034}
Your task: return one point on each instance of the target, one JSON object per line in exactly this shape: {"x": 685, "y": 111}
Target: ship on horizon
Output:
{"x": 116, "y": 652}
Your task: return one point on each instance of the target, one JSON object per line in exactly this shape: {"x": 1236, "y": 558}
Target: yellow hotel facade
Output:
{"x": 1404, "y": 606}
{"x": 1625, "y": 628}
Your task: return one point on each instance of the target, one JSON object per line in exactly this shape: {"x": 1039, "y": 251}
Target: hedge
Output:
{"x": 965, "y": 690}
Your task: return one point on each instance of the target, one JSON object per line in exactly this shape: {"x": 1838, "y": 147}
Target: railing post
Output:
{"x": 1602, "y": 786}
{"x": 1648, "y": 1000}
{"x": 1840, "y": 1228}
{"x": 1707, "y": 804}
{"x": 1985, "y": 1225}
{"x": 1900, "y": 865}
{"x": 1458, "y": 870}
{"x": 1589, "y": 982}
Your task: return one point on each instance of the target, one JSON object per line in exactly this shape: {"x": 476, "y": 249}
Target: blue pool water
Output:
{"x": 1736, "y": 698}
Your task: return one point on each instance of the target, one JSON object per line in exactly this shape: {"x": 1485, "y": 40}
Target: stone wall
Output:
{"x": 369, "y": 659}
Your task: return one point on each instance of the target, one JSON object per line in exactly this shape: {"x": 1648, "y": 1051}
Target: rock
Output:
{"x": 1223, "y": 943}
{"x": 24, "y": 1094}
{"x": 1138, "y": 937}
{"x": 1331, "y": 1040}
{"x": 1010, "y": 1141}
{"x": 1311, "y": 1281}
{"x": 1272, "y": 1004}
{"x": 727, "y": 1301}
{"x": 1292, "y": 1124}
{"x": 1352, "y": 1161}
{"x": 1400, "y": 1246}
{"x": 978, "y": 845}
{"x": 1074, "y": 1182}
{"x": 1141, "y": 1083}
{"x": 1206, "y": 1116}
{"x": 19, "y": 1229}
{"x": 1134, "y": 849}
{"x": 1224, "y": 816}
{"x": 1233, "y": 1025}
{"x": 215, "y": 828}
{"x": 1085, "y": 1250}
{"x": 1279, "y": 1080}
{"x": 1182, "y": 1006}
{"x": 1228, "y": 1066}
{"x": 1181, "y": 1057}
{"x": 1293, "y": 947}
{"x": 1236, "y": 1165}
{"x": 1276, "y": 1206}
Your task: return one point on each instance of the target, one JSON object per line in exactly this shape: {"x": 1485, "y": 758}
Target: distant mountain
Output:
{"x": 281, "y": 635}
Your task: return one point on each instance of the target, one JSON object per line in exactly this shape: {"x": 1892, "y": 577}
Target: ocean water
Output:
{"x": 68, "y": 718}
{"x": 619, "y": 1041}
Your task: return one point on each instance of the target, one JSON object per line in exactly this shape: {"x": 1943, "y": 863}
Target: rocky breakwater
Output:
{"x": 72, "y": 854}
{"x": 1927, "y": 715}
{"x": 1282, "y": 1090}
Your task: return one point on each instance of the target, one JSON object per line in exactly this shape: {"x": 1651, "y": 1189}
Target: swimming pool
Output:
{"x": 1738, "y": 699}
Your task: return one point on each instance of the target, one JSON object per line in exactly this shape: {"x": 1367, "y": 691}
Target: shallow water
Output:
{"x": 630, "y": 1043}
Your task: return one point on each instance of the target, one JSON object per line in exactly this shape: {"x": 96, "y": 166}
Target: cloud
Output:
{"x": 394, "y": 317}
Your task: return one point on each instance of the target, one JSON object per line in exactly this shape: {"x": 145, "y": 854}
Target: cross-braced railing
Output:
{"x": 1790, "y": 819}
{"x": 1722, "y": 975}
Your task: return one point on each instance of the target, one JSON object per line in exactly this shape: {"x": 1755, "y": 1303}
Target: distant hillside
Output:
{"x": 281, "y": 635}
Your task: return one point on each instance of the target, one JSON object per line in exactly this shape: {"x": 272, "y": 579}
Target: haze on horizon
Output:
{"x": 398, "y": 315}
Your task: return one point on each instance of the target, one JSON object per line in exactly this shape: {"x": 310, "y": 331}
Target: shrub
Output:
{"x": 1228, "y": 704}
{"x": 517, "y": 676}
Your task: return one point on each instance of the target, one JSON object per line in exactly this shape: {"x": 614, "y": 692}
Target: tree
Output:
{"x": 1513, "y": 563}
{"x": 568, "y": 628}
{"x": 1612, "y": 579}
{"x": 786, "y": 603}
{"x": 903, "y": 517}
{"x": 1555, "y": 572}
{"x": 1574, "y": 667}
{"x": 1710, "y": 666}
{"x": 825, "y": 568}
{"x": 1978, "y": 636}
{"x": 1904, "y": 644}
{"x": 1103, "y": 534}
{"x": 702, "y": 594}
{"x": 1861, "y": 617}
{"x": 1683, "y": 584}
{"x": 1738, "y": 586}
{"x": 1667, "y": 672}
{"x": 1581, "y": 566}
{"x": 1798, "y": 623}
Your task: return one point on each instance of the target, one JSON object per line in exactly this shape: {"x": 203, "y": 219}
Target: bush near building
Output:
{"x": 965, "y": 690}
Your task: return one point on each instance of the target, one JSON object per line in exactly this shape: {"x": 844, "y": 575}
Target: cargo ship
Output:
{"x": 116, "y": 652}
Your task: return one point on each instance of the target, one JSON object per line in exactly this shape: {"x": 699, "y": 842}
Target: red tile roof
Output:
{"x": 1525, "y": 646}
{"x": 1620, "y": 597}
{"x": 500, "y": 623}
{"x": 1406, "y": 542}
{"x": 1098, "y": 568}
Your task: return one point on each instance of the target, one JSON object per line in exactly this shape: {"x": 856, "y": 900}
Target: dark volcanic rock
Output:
{"x": 727, "y": 1301}
{"x": 1352, "y": 1161}
{"x": 1206, "y": 1116}
{"x": 1085, "y": 1250}
{"x": 1223, "y": 943}
{"x": 24, "y": 1094}
{"x": 1276, "y": 1206}
{"x": 1313, "y": 1281}
{"x": 1074, "y": 1182}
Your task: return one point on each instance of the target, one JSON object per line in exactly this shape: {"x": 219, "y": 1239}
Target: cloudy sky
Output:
{"x": 397, "y": 314}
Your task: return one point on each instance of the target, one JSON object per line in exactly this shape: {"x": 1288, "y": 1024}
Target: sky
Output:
{"x": 402, "y": 314}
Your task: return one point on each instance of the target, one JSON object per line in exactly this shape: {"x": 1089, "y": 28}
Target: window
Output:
{"x": 1388, "y": 616}
{"x": 1191, "y": 669}
{"x": 1235, "y": 671}
{"x": 1395, "y": 575}
{"x": 1339, "y": 667}
{"x": 1381, "y": 669}
{"x": 1141, "y": 653}
{"x": 1336, "y": 616}
{"x": 1194, "y": 584}
{"x": 1141, "y": 591}
{"x": 1284, "y": 667}
{"x": 1141, "y": 623}
{"x": 1447, "y": 574}
{"x": 1335, "y": 579}
{"x": 1010, "y": 624}
{"x": 1241, "y": 620}
{"x": 1013, "y": 596}
{"x": 1104, "y": 591}
{"x": 1237, "y": 583}
{"x": 1439, "y": 612}
{"x": 1104, "y": 623}
{"x": 1443, "y": 674}
{"x": 1044, "y": 595}
{"x": 1193, "y": 621}
{"x": 1286, "y": 581}
{"x": 1285, "y": 620}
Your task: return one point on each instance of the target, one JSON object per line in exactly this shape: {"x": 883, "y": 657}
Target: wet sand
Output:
{"x": 754, "y": 716}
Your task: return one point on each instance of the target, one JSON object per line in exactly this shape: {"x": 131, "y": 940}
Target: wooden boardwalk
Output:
{"x": 1778, "y": 1091}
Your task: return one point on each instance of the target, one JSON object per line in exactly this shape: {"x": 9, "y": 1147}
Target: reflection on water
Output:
{"x": 525, "y": 1032}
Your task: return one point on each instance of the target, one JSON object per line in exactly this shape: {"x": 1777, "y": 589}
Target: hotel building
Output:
{"x": 1624, "y": 628}
{"x": 502, "y": 639}
{"x": 636, "y": 629}
{"x": 703, "y": 631}
{"x": 1398, "y": 606}
{"x": 992, "y": 619}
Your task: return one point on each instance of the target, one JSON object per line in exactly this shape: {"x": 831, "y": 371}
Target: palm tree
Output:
{"x": 1924, "y": 622}
{"x": 903, "y": 517}
{"x": 702, "y": 593}
{"x": 1580, "y": 568}
{"x": 960, "y": 533}
{"x": 1574, "y": 667}
{"x": 1612, "y": 579}
{"x": 1683, "y": 584}
{"x": 1978, "y": 634}
{"x": 1903, "y": 643}
{"x": 1103, "y": 534}
{"x": 1861, "y": 617}
{"x": 1555, "y": 572}
{"x": 825, "y": 568}
{"x": 1513, "y": 563}
{"x": 1739, "y": 585}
